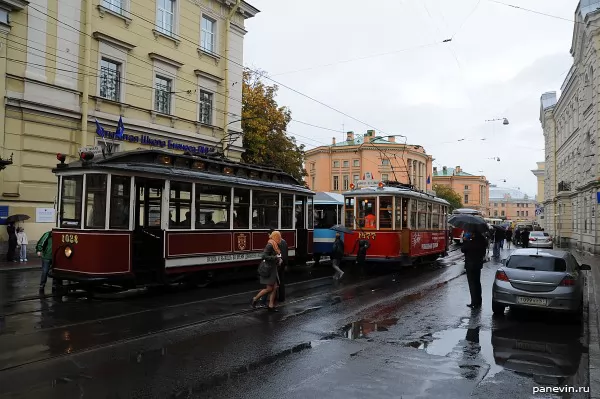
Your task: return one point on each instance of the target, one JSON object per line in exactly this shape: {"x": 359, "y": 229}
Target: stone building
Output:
{"x": 473, "y": 189}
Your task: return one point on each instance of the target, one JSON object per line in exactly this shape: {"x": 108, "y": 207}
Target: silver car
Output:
{"x": 540, "y": 279}
{"x": 539, "y": 239}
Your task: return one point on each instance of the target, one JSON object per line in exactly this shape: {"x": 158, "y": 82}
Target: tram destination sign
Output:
{"x": 147, "y": 140}
{"x": 366, "y": 183}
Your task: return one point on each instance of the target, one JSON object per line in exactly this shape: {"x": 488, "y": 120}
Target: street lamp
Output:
{"x": 504, "y": 120}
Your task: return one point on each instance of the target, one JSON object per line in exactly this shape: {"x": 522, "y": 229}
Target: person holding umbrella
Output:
{"x": 12, "y": 242}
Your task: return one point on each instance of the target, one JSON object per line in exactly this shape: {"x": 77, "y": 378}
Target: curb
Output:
{"x": 20, "y": 268}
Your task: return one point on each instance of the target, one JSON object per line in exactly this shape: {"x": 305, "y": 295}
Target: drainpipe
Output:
{"x": 226, "y": 110}
{"x": 86, "y": 67}
{"x": 555, "y": 182}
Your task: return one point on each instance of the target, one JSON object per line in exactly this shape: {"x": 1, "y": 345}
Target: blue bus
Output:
{"x": 328, "y": 212}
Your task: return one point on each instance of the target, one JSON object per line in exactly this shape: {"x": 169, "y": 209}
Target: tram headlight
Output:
{"x": 68, "y": 252}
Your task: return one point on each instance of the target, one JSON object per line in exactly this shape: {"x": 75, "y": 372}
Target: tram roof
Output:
{"x": 404, "y": 191}
{"x": 167, "y": 165}
{"x": 327, "y": 198}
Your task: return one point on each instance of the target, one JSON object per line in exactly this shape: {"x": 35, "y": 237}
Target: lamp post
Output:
{"x": 229, "y": 137}
{"x": 504, "y": 120}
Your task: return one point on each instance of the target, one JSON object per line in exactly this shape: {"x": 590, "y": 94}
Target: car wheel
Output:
{"x": 498, "y": 308}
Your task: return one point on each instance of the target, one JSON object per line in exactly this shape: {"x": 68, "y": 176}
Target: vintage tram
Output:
{"x": 328, "y": 213}
{"x": 403, "y": 226}
{"x": 153, "y": 217}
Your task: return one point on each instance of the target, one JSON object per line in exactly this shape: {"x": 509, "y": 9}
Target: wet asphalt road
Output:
{"x": 387, "y": 336}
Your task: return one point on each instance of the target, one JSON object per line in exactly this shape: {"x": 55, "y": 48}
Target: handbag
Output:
{"x": 264, "y": 269}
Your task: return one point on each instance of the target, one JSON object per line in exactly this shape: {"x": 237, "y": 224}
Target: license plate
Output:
{"x": 525, "y": 300}
{"x": 529, "y": 346}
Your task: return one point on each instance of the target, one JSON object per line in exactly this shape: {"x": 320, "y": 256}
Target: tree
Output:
{"x": 264, "y": 124}
{"x": 447, "y": 193}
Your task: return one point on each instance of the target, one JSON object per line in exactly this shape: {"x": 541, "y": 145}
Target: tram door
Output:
{"x": 148, "y": 260}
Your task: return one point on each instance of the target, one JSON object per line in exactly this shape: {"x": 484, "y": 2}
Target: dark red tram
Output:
{"x": 152, "y": 217}
{"x": 403, "y": 226}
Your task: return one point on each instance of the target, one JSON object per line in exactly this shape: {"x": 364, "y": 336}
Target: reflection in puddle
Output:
{"x": 362, "y": 328}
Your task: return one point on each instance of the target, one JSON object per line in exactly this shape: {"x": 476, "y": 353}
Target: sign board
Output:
{"x": 598, "y": 197}
{"x": 45, "y": 215}
{"x": 3, "y": 214}
{"x": 366, "y": 183}
{"x": 96, "y": 150}
{"x": 368, "y": 176}
{"x": 539, "y": 211}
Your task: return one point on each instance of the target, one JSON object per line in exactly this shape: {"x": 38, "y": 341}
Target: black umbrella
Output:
{"x": 341, "y": 229}
{"x": 17, "y": 218}
{"x": 469, "y": 223}
{"x": 500, "y": 227}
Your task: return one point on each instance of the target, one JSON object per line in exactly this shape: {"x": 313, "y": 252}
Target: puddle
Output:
{"x": 362, "y": 328}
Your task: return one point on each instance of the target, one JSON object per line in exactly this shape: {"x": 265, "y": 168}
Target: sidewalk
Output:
{"x": 33, "y": 264}
{"x": 592, "y": 299}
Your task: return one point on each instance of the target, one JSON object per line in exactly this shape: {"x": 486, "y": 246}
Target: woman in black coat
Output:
{"x": 12, "y": 242}
{"x": 271, "y": 255}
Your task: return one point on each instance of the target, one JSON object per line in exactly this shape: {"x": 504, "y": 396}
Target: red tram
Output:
{"x": 403, "y": 226}
{"x": 152, "y": 217}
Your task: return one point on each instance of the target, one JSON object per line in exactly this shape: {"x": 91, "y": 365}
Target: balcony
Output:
{"x": 564, "y": 186}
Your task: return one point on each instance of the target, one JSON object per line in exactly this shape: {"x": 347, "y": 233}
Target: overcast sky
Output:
{"x": 498, "y": 64}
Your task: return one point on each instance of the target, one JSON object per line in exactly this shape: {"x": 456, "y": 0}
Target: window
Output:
{"x": 212, "y": 207}
{"x": 585, "y": 214}
{"x": 503, "y": 206}
{"x": 70, "y": 206}
{"x": 311, "y": 213}
{"x": 355, "y": 178}
{"x": 162, "y": 101}
{"x": 207, "y": 41}
{"x": 312, "y": 166}
{"x": 366, "y": 213}
{"x": 539, "y": 263}
{"x": 336, "y": 183}
{"x": 95, "y": 207}
{"x": 385, "y": 162}
{"x": 300, "y": 204}
{"x": 422, "y": 208}
{"x": 265, "y": 210}
{"x": 346, "y": 164}
{"x": 206, "y": 106}
{"x": 526, "y": 213}
{"x": 241, "y": 208}
{"x": 466, "y": 187}
{"x": 113, "y": 5}
{"x": 502, "y": 214}
{"x": 349, "y": 212}
{"x": 385, "y": 177}
{"x": 287, "y": 211}
{"x": 114, "y": 147}
{"x": 180, "y": 206}
{"x": 345, "y": 182}
{"x": 413, "y": 214}
{"x": 165, "y": 16}
{"x": 120, "y": 194}
{"x": 313, "y": 182}
{"x": 386, "y": 212}
{"x": 466, "y": 198}
{"x": 336, "y": 164}
{"x": 356, "y": 163}
{"x": 495, "y": 213}
{"x": 110, "y": 80}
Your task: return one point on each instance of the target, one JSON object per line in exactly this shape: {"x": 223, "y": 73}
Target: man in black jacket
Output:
{"x": 474, "y": 248}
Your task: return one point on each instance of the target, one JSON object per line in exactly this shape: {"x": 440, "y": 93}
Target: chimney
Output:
{"x": 391, "y": 139}
{"x": 370, "y": 134}
{"x": 458, "y": 169}
{"x": 350, "y": 136}
{"x": 435, "y": 169}
{"x": 333, "y": 140}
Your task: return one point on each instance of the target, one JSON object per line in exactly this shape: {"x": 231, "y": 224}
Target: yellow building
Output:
{"x": 334, "y": 167}
{"x": 512, "y": 204}
{"x": 474, "y": 190}
{"x": 171, "y": 69}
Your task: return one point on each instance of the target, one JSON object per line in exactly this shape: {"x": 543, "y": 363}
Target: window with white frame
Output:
{"x": 165, "y": 16}
{"x": 162, "y": 95}
{"x": 208, "y": 39}
{"x": 110, "y": 79}
{"x": 114, "y": 5}
{"x": 206, "y": 105}
{"x": 109, "y": 145}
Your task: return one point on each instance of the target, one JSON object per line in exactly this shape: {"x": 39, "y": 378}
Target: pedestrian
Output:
{"x": 361, "y": 254}
{"x": 12, "y": 242}
{"x": 498, "y": 238}
{"x": 337, "y": 254}
{"x": 22, "y": 242}
{"x": 517, "y": 236}
{"x": 272, "y": 256}
{"x": 283, "y": 247}
{"x": 525, "y": 238}
{"x": 474, "y": 249}
{"x": 509, "y": 233}
{"x": 44, "y": 250}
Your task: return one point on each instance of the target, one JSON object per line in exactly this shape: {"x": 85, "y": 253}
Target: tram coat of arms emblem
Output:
{"x": 242, "y": 242}
{"x": 416, "y": 239}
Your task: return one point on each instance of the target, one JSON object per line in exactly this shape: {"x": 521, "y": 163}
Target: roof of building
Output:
{"x": 358, "y": 140}
{"x": 449, "y": 172}
{"x": 497, "y": 193}
{"x": 588, "y": 7}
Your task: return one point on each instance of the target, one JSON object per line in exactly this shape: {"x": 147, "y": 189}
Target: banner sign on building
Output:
{"x": 96, "y": 150}
{"x": 3, "y": 214}
{"x": 45, "y": 215}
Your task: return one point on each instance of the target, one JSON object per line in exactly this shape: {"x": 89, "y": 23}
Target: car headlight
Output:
{"x": 68, "y": 252}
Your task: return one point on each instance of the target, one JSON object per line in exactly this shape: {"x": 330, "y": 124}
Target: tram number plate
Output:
{"x": 70, "y": 238}
{"x": 368, "y": 236}
{"x": 525, "y": 300}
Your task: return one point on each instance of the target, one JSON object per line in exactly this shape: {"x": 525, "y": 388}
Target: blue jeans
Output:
{"x": 45, "y": 269}
{"x": 23, "y": 253}
{"x": 497, "y": 249}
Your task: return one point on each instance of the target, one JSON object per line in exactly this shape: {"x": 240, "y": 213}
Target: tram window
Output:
{"x": 386, "y": 212}
{"x": 311, "y": 213}
{"x": 435, "y": 217}
{"x": 70, "y": 207}
{"x": 265, "y": 210}
{"x": 300, "y": 204}
{"x": 422, "y": 208}
{"x": 95, "y": 207}
{"x": 287, "y": 211}
{"x": 366, "y": 213}
{"x": 405, "y": 213}
{"x": 429, "y": 214}
{"x": 326, "y": 216}
{"x": 349, "y": 212}
{"x": 212, "y": 206}
{"x": 399, "y": 213}
{"x": 120, "y": 194}
{"x": 241, "y": 208}
{"x": 180, "y": 206}
{"x": 413, "y": 214}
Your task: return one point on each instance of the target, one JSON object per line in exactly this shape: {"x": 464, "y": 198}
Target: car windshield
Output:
{"x": 539, "y": 234}
{"x": 537, "y": 263}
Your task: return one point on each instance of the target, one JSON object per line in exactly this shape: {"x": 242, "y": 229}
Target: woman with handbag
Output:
{"x": 271, "y": 259}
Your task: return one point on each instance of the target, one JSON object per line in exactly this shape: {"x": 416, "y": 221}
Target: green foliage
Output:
{"x": 264, "y": 124}
{"x": 447, "y": 193}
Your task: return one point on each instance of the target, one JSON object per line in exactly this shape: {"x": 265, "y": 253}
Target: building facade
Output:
{"x": 539, "y": 173}
{"x": 334, "y": 167}
{"x": 474, "y": 190}
{"x": 570, "y": 124}
{"x": 171, "y": 69}
{"x": 511, "y": 204}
